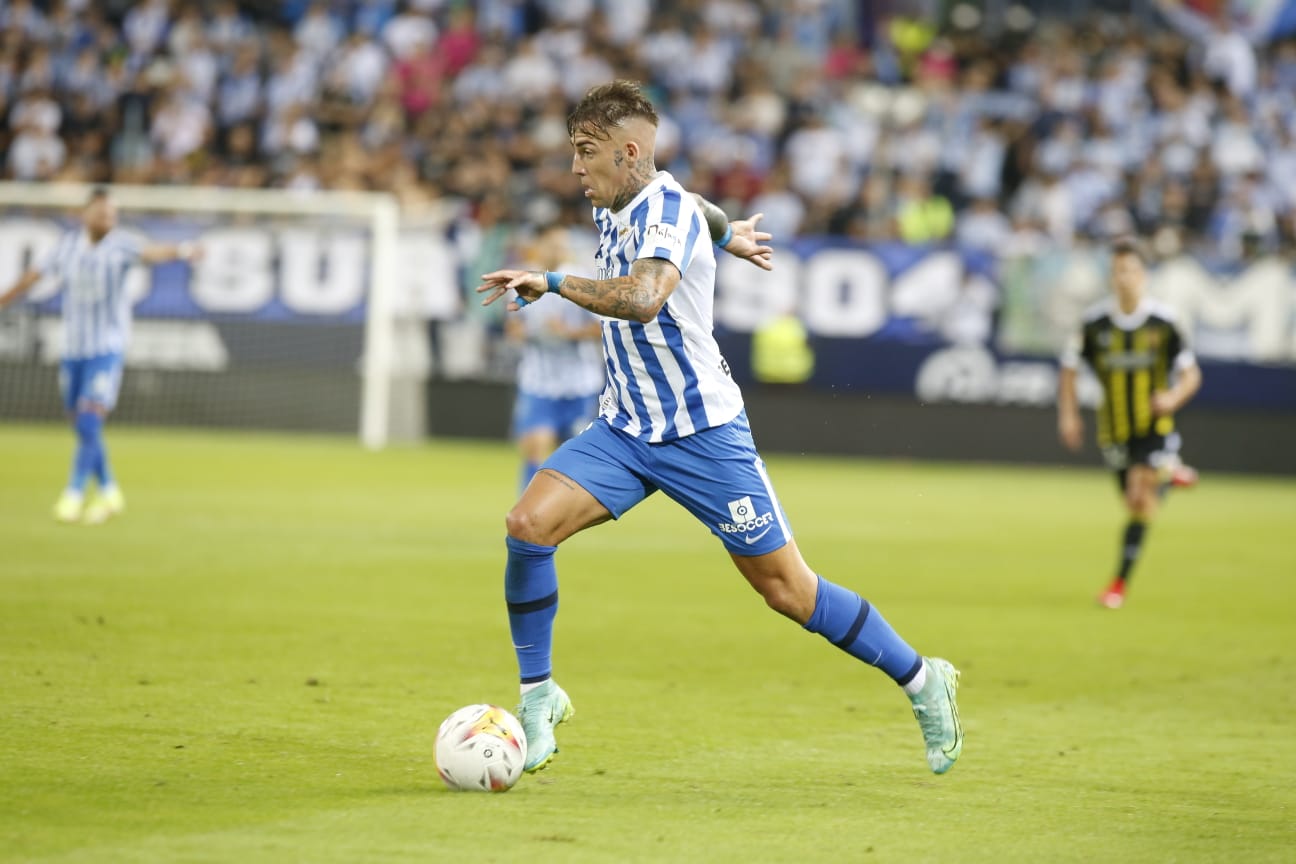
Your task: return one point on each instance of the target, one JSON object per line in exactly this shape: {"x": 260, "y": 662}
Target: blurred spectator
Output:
{"x": 409, "y": 32}
{"x": 318, "y": 33}
{"x": 181, "y": 127}
{"x": 36, "y": 153}
{"x": 783, "y": 208}
{"x": 145, "y": 26}
{"x": 921, "y": 215}
{"x": 817, "y": 158}
{"x": 1228, "y": 55}
{"x": 983, "y": 227}
{"x": 239, "y": 95}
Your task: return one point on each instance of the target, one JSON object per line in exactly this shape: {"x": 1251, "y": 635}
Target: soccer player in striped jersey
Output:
{"x": 90, "y": 264}
{"x": 1147, "y": 372}
{"x": 560, "y": 373}
{"x": 672, "y": 419}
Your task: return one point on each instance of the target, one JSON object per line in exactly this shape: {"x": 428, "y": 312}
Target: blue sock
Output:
{"x": 102, "y": 471}
{"x": 531, "y": 591}
{"x": 88, "y": 426}
{"x": 848, "y": 621}
{"x": 529, "y": 470}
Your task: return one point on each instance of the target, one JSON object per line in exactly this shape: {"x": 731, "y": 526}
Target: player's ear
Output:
{"x": 632, "y": 150}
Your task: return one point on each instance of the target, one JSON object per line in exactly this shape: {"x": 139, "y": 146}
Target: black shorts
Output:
{"x": 1156, "y": 451}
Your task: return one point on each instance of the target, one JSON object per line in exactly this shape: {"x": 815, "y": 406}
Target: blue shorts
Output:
{"x": 90, "y": 379}
{"x": 716, "y": 474}
{"x": 565, "y": 415}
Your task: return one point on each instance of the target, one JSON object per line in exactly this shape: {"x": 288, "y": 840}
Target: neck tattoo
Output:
{"x": 641, "y": 174}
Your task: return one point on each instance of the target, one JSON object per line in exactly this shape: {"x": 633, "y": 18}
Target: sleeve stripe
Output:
{"x": 670, "y": 207}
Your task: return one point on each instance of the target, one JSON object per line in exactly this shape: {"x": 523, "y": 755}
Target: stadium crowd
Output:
{"x": 827, "y": 117}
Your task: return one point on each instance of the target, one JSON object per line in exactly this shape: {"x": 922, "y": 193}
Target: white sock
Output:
{"x": 527, "y": 688}
{"x": 916, "y": 683}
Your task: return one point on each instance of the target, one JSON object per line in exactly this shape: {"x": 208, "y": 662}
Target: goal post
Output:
{"x": 347, "y": 242}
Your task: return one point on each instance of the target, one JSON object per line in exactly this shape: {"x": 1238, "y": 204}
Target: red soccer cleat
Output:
{"x": 1113, "y": 597}
{"x": 1183, "y": 476}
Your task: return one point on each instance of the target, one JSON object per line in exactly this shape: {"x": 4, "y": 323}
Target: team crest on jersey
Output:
{"x": 627, "y": 234}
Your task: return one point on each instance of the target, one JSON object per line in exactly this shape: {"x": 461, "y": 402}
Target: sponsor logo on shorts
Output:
{"x": 746, "y": 520}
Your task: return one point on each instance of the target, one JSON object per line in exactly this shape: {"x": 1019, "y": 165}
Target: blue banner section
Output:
{"x": 938, "y": 323}
{"x": 252, "y": 272}
{"x": 975, "y": 374}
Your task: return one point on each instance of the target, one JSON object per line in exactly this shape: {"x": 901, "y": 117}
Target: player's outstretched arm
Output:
{"x": 160, "y": 253}
{"x": 24, "y": 284}
{"x": 636, "y": 297}
{"x": 743, "y": 240}
{"x": 1070, "y": 426}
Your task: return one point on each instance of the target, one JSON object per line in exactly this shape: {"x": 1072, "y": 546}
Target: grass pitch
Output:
{"x": 251, "y": 665}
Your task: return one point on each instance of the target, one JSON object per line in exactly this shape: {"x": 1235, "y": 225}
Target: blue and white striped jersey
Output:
{"x": 666, "y": 378}
{"x": 553, "y": 366}
{"x": 92, "y": 276}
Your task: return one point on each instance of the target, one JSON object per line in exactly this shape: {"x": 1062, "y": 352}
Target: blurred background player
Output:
{"x": 89, "y": 263}
{"x": 673, "y": 419}
{"x": 560, "y": 373}
{"x": 1147, "y": 373}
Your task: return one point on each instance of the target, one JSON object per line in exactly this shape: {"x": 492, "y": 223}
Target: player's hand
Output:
{"x": 1163, "y": 403}
{"x": 528, "y": 284}
{"x": 748, "y": 243}
{"x": 1071, "y": 430}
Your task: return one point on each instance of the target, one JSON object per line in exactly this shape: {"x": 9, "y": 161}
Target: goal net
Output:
{"x": 307, "y": 311}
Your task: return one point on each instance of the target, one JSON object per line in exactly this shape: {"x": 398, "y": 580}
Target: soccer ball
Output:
{"x": 480, "y": 748}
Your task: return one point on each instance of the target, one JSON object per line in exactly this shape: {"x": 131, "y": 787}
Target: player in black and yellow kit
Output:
{"x": 1147, "y": 373}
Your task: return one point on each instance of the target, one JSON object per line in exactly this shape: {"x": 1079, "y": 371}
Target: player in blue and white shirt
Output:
{"x": 672, "y": 419}
{"x": 90, "y": 265}
{"x": 560, "y": 373}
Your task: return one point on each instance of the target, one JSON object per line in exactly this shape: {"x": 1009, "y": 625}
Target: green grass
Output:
{"x": 252, "y": 663}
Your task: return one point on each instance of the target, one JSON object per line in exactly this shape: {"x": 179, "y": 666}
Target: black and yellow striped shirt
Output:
{"x": 1133, "y": 357}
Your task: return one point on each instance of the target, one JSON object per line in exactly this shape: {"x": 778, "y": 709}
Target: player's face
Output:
{"x": 100, "y": 217}
{"x": 601, "y": 165}
{"x": 1127, "y": 278}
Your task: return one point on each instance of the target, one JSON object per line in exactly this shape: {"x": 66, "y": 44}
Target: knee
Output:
{"x": 789, "y": 596}
{"x": 87, "y": 425}
{"x": 1141, "y": 503}
{"x": 780, "y": 597}
{"x": 521, "y": 524}
{"x": 1145, "y": 507}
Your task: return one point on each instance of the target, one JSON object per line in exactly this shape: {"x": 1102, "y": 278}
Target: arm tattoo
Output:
{"x": 717, "y": 221}
{"x": 637, "y": 297}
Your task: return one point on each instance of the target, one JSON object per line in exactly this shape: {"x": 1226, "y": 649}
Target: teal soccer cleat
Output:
{"x": 937, "y": 713}
{"x": 542, "y": 709}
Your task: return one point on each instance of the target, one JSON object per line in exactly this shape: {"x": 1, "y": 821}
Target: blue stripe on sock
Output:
{"x": 534, "y": 605}
{"x": 89, "y": 451}
{"x": 848, "y": 621}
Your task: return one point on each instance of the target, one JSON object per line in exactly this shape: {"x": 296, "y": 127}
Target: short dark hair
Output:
{"x": 609, "y": 105}
{"x": 1129, "y": 246}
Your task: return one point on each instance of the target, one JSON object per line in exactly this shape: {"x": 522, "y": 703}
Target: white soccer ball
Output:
{"x": 480, "y": 748}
